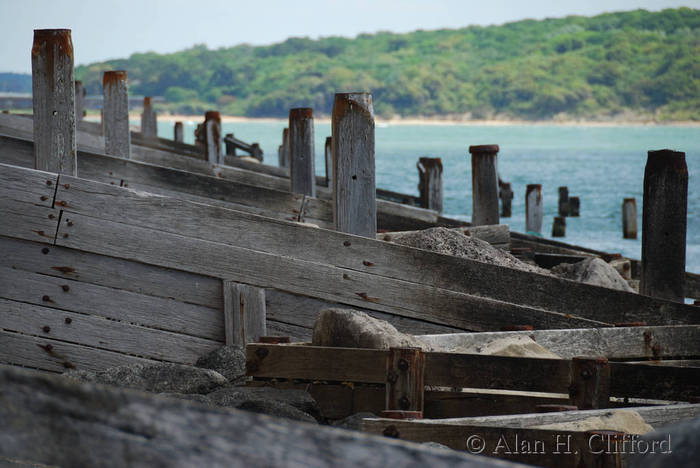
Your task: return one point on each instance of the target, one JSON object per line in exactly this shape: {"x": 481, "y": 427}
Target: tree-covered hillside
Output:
{"x": 628, "y": 63}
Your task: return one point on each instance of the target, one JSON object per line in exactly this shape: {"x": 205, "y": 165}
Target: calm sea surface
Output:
{"x": 601, "y": 165}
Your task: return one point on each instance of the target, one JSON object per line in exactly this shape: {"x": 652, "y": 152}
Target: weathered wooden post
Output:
{"x": 178, "y": 132}
{"x": 149, "y": 120}
{"x": 404, "y": 383}
{"x": 629, "y": 218}
{"x": 256, "y": 152}
{"x": 563, "y": 201}
{"x": 230, "y": 146}
{"x": 212, "y": 137}
{"x": 354, "y": 189}
{"x": 559, "y": 227}
{"x": 484, "y": 184}
{"x": 533, "y": 208}
{"x": 664, "y": 221}
{"x": 574, "y": 207}
{"x": 116, "y": 114}
{"x": 505, "y": 193}
{"x": 590, "y": 383}
{"x": 244, "y": 313}
{"x": 54, "y": 101}
{"x": 283, "y": 151}
{"x": 430, "y": 183}
{"x": 301, "y": 151}
{"x": 79, "y": 101}
{"x": 328, "y": 152}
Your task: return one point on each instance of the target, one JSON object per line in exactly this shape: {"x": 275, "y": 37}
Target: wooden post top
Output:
{"x": 212, "y": 115}
{"x": 60, "y": 38}
{"x": 301, "y": 113}
{"x": 147, "y": 101}
{"x": 660, "y": 159}
{"x": 430, "y": 162}
{"x": 113, "y": 76}
{"x": 483, "y": 149}
{"x": 531, "y": 187}
{"x": 345, "y": 102}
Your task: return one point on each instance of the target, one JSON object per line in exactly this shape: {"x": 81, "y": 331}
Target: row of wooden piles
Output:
{"x": 119, "y": 248}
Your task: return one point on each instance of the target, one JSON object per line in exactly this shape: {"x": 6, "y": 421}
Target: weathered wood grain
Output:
{"x": 533, "y": 208}
{"x": 57, "y": 356}
{"x": 28, "y": 221}
{"x": 244, "y": 309}
{"x": 98, "y": 332}
{"x": 657, "y": 382}
{"x": 117, "y": 427}
{"x": 150, "y": 311}
{"x": 53, "y": 100}
{"x": 149, "y": 120}
{"x": 484, "y": 161}
{"x": 111, "y": 272}
{"x": 613, "y": 343}
{"x": 354, "y": 188}
{"x": 430, "y": 183}
{"x": 27, "y": 186}
{"x": 301, "y": 151}
{"x": 116, "y": 114}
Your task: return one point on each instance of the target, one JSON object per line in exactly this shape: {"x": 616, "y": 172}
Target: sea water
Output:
{"x": 601, "y": 165}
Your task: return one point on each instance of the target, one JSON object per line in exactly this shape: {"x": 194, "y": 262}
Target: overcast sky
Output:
{"x": 115, "y": 29}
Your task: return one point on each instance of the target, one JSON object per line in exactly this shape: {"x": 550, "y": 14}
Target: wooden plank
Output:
{"x": 57, "y": 356}
{"x": 28, "y": 186}
{"x": 98, "y": 332}
{"x": 53, "y": 100}
{"x": 613, "y": 343}
{"x": 28, "y": 221}
{"x": 111, "y": 272}
{"x": 155, "y": 312}
{"x": 658, "y": 382}
{"x": 303, "y": 277}
{"x": 116, "y": 114}
{"x": 354, "y": 190}
{"x": 137, "y": 429}
{"x": 244, "y": 309}
{"x": 376, "y": 257}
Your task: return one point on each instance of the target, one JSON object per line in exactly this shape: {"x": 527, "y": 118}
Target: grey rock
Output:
{"x": 354, "y": 329}
{"x": 592, "y": 271}
{"x": 190, "y": 397}
{"x": 272, "y": 401}
{"x": 354, "y": 421}
{"x": 276, "y": 408}
{"x": 436, "y": 445}
{"x": 156, "y": 378}
{"x": 228, "y": 361}
{"x": 450, "y": 242}
{"x": 676, "y": 445}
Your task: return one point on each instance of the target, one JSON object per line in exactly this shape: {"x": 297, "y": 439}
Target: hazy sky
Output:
{"x": 115, "y": 29}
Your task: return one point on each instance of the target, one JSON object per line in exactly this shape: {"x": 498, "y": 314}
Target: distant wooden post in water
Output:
{"x": 53, "y": 101}
{"x": 629, "y": 218}
{"x": 230, "y": 146}
{"x": 533, "y": 208}
{"x": 301, "y": 151}
{"x": 505, "y": 193}
{"x": 484, "y": 184}
{"x": 116, "y": 114}
{"x": 664, "y": 221}
{"x": 559, "y": 227}
{"x": 79, "y": 101}
{"x": 149, "y": 120}
{"x": 283, "y": 151}
{"x": 212, "y": 137}
{"x": 563, "y": 201}
{"x": 574, "y": 207}
{"x": 430, "y": 183}
{"x": 328, "y": 150}
{"x": 354, "y": 188}
{"x": 178, "y": 132}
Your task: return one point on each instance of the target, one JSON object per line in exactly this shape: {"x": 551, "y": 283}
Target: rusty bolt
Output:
{"x": 44, "y": 198}
{"x": 262, "y": 353}
{"x": 67, "y": 185}
{"x": 46, "y": 329}
{"x": 345, "y": 276}
{"x": 68, "y": 320}
{"x": 69, "y": 223}
{"x": 61, "y": 203}
{"x": 404, "y": 403}
{"x": 46, "y": 298}
{"x": 65, "y": 235}
{"x": 51, "y": 216}
{"x": 366, "y": 263}
{"x": 347, "y": 244}
{"x": 403, "y": 365}
{"x": 49, "y": 183}
{"x": 391, "y": 376}
{"x": 45, "y": 250}
{"x": 391, "y": 431}
{"x": 65, "y": 288}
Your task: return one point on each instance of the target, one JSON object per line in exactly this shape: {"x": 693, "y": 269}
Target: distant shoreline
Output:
{"x": 433, "y": 121}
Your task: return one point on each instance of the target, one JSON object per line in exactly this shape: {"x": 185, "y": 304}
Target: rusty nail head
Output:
{"x": 65, "y": 288}
{"x": 48, "y": 182}
{"x": 404, "y": 403}
{"x": 69, "y": 320}
{"x": 586, "y": 374}
{"x": 403, "y": 364}
{"x": 67, "y": 185}
{"x": 43, "y": 198}
{"x": 70, "y": 223}
{"x": 45, "y": 250}
{"x": 391, "y": 376}
{"x": 262, "y": 353}
{"x": 45, "y": 298}
{"x": 65, "y": 235}
{"x": 347, "y": 244}
{"x": 46, "y": 329}
{"x": 391, "y": 431}
{"x": 51, "y": 216}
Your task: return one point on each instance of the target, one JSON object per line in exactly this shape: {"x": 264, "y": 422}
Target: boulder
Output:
{"x": 452, "y": 242}
{"x": 354, "y": 329}
{"x": 228, "y": 361}
{"x": 674, "y": 445}
{"x": 272, "y": 401}
{"x": 156, "y": 378}
{"x": 592, "y": 271}
{"x": 354, "y": 421}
